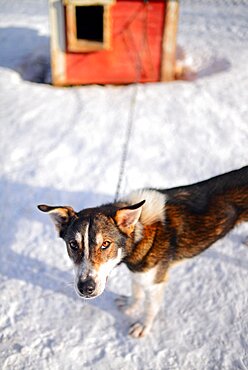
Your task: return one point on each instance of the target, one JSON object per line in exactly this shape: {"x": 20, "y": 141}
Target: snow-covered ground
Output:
{"x": 63, "y": 146}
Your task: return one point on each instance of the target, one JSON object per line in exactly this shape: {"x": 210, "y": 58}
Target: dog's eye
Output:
{"x": 105, "y": 244}
{"x": 73, "y": 245}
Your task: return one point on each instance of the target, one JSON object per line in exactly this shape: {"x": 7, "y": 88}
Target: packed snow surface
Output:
{"x": 64, "y": 146}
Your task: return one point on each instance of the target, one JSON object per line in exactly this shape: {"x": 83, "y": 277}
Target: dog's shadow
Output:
{"x": 19, "y": 202}
{"x": 28, "y": 269}
{"x": 49, "y": 278}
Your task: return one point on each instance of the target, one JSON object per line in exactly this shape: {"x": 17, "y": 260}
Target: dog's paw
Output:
{"x": 127, "y": 306}
{"x": 245, "y": 242}
{"x": 138, "y": 330}
{"x": 122, "y": 302}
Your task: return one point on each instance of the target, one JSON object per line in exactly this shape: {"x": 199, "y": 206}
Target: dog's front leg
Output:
{"x": 153, "y": 300}
{"x": 130, "y": 305}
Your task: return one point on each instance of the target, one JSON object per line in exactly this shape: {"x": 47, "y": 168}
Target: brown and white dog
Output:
{"x": 149, "y": 231}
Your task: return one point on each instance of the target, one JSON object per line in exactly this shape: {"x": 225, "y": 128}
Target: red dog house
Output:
{"x": 113, "y": 41}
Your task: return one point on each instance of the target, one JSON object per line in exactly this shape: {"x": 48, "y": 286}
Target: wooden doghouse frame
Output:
{"x": 75, "y": 44}
{"x": 68, "y": 47}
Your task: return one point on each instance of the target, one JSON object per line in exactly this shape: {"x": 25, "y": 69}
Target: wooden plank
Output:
{"x": 58, "y": 44}
{"x": 168, "y": 64}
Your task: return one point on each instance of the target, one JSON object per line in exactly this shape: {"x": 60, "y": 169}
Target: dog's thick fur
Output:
{"x": 149, "y": 231}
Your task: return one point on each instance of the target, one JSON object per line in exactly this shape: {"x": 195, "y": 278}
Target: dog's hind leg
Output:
{"x": 153, "y": 299}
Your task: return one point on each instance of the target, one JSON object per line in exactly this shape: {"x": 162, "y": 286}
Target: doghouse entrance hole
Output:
{"x": 89, "y": 21}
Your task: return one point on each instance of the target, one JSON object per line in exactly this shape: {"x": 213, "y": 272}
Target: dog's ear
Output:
{"x": 60, "y": 215}
{"x": 127, "y": 217}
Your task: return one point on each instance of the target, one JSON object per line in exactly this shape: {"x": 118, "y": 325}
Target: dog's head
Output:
{"x": 97, "y": 240}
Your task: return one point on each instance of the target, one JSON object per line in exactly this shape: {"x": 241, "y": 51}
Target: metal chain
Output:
{"x": 138, "y": 67}
{"x": 127, "y": 141}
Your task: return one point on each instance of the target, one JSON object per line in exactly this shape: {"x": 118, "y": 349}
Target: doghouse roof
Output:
{"x": 88, "y": 2}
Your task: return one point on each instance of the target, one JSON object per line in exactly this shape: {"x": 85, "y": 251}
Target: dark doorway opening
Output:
{"x": 90, "y": 23}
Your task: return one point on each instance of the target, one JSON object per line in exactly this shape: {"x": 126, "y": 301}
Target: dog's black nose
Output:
{"x": 86, "y": 287}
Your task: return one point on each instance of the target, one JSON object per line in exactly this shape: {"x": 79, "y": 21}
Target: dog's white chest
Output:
{"x": 146, "y": 279}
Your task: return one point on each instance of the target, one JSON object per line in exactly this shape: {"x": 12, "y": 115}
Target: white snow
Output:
{"x": 64, "y": 145}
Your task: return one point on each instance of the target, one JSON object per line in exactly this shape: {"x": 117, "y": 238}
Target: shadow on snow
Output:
{"x": 27, "y": 52}
{"x": 19, "y": 202}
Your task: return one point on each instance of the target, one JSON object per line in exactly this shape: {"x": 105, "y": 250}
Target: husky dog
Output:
{"x": 149, "y": 231}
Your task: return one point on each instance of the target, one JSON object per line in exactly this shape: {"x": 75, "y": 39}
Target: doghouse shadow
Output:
{"x": 27, "y": 52}
{"x": 215, "y": 65}
{"x": 198, "y": 69}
